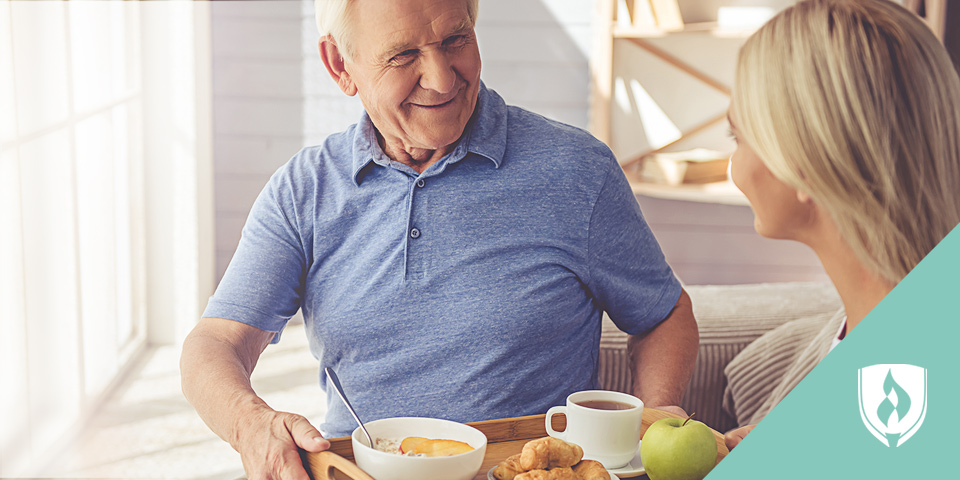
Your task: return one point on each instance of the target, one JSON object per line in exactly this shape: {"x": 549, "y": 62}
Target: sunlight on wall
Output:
{"x": 657, "y": 126}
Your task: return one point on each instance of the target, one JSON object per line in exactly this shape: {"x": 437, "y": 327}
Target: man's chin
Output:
{"x": 439, "y": 142}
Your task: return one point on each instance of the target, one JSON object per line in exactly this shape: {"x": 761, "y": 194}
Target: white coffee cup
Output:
{"x": 610, "y": 436}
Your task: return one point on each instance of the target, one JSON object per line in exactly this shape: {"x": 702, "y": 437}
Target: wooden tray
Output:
{"x": 506, "y": 437}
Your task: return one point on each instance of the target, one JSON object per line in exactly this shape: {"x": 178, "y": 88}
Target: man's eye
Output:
{"x": 404, "y": 57}
{"x": 455, "y": 40}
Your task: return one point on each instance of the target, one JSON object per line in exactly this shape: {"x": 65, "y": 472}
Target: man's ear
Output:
{"x": 330, "y": 54}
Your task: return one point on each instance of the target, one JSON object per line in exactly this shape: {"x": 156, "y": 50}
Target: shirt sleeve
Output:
{"x": 629, "y": 275}
{"x": 262, "y": 286}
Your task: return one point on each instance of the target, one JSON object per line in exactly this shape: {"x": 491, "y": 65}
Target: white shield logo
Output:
{"x": 893, "y": 401}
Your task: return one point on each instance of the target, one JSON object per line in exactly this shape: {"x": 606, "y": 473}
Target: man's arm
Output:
{"x": 218, "y": 357}
{"x": 662, "y": 359}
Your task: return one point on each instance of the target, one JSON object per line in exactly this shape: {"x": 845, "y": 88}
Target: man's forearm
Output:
{"x": 216, "y": 381}
{"x": 662, "y": 360}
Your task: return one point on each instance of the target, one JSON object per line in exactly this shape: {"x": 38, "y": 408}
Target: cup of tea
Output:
{"x": 605, "y": 424}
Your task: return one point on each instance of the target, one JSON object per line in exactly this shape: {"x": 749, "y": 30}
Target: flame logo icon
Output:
{"x": 889, "y": 412}
{"x": 894, "y": 406}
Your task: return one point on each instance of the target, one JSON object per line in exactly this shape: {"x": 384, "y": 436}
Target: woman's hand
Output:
{"x": 733, "y": 437}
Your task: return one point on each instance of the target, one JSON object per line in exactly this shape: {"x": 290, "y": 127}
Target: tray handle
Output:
{"x": 321, "y": 466}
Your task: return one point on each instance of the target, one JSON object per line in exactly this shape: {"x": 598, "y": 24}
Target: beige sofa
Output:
{"x": 730, "y": 317}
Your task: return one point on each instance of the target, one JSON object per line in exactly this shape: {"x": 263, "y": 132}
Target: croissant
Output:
{"x": 591, "y": 470}
{"x": 509, "y": 468}
{"x": 549, "y": 452}
{"x": 565, "y": 473}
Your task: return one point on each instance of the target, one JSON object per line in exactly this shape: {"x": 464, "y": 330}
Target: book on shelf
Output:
{"x": 642, "y": 15}
{"x": 635, "y": 14}
{"x": 667, "y": 13}
{"x": 699, "y": 165}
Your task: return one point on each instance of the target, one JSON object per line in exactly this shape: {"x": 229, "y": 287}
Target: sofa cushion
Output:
{"x": 729, "y": 318}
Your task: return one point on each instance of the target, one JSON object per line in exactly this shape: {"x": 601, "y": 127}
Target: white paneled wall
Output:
{"x": 258, "y": 104}
{"x": 709, "y": 243}
{"x": 535, "y": 53}
{"x": 327, "y": 110}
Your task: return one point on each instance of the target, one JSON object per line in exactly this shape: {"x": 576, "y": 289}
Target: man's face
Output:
{"x": 416, "y": 67}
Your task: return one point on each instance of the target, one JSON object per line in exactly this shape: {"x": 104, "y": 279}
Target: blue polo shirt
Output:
{"x": 471, "y": 291}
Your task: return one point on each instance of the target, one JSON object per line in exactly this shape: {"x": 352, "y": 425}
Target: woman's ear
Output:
{"x": 336, "y": 67}
{"x": 802, "y": 197}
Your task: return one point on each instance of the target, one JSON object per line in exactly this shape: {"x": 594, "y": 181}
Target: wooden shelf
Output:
{"x": 725, "y": 193}
{"x": 709, "y": 28}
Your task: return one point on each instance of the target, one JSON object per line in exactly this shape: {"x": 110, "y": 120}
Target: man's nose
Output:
{"x": 438, "y": 73}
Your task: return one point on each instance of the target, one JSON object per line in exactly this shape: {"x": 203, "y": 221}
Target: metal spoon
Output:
{"x": 339, "y": 388}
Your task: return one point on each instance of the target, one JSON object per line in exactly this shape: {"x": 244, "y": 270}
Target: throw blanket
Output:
{"x": 761, "y": 375}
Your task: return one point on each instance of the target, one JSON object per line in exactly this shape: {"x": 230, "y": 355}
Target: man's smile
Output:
{"x": 438, "y": 105}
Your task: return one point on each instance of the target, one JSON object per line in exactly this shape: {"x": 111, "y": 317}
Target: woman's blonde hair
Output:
{"x": 856, "y": 103}
{"x": 333, "y": 18}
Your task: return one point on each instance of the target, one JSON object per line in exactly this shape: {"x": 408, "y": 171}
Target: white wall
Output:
{"x": 715, "y": 244}
{"x": 258, "y": 104}
{"x": 326, "y": 110}
{"x": 536, "y": 55}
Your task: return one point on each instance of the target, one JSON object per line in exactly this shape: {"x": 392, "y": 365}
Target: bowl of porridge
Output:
{"x": 416, "y": 448}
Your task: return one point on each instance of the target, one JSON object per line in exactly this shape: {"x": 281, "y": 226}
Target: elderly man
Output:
{"x": 452, "y": 255}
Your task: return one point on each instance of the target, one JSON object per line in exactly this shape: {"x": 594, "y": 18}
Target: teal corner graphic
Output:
{"x": 892, "y": 379}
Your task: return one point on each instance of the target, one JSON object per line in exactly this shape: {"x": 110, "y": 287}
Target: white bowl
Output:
{"x": 389, "y": 466}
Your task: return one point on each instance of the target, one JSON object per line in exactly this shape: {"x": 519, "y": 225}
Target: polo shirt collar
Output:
{"x": 486, "y": 135}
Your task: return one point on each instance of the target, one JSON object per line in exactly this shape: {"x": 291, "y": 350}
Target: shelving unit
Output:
{"x": 611, "y": 28}
{"x": 637, "y": 22}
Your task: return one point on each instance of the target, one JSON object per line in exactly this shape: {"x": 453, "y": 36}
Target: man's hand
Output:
{"x": 735, "y": 436}
{"x": 268, "y": 445}
{"x": 218, "y": 357}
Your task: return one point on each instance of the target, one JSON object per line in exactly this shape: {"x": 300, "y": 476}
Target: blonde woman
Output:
{"x": 846, "y": 115}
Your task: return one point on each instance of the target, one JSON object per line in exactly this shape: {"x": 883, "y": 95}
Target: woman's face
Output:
{"x": 780, "y": 211}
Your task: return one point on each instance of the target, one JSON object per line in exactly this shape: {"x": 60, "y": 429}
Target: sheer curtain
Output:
{"x": 82, "y": 208}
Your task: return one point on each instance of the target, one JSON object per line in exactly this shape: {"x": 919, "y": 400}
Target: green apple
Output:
{"x": 678, "y": 449}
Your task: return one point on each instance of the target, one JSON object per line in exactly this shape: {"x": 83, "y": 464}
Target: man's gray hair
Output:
{"x": 333, "y": 18}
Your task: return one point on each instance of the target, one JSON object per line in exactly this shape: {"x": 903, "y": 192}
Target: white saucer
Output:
{"x": 631, "y": 469}
{"x": 491, "y": 477}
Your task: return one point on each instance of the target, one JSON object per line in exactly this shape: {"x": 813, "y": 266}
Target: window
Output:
{"x": 76, "y": 132}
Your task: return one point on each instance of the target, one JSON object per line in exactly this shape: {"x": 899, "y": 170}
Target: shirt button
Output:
{"x": 414, "y": 233}
{"x": 420, "y": 183}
